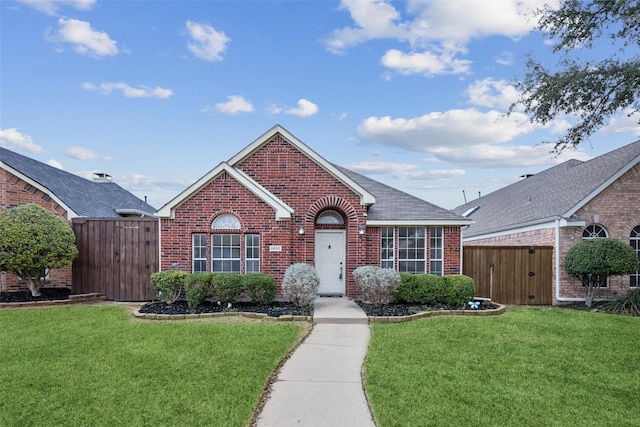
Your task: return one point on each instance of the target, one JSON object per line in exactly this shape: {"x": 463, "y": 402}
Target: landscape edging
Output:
{"x": 401, "y": 319}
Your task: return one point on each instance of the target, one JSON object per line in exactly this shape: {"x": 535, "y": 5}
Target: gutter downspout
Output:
{"x": 557, "y": 265}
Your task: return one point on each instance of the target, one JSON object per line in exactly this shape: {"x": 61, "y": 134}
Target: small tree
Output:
{"x": 593, "y": 261}
{"x": 32, "y": 241}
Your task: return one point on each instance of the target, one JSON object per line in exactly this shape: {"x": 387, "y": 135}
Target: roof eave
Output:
{"x": 417, "y": 222}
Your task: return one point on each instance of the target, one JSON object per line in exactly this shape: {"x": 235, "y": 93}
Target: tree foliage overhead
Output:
{"x": 32, "y": 241}
{"x": 593, "y": 261}
{"x": 593, "y": 90}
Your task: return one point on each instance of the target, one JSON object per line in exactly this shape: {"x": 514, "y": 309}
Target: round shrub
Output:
{"x": 427, "y": 289}
{"x": 300, "y": 284}
{"x": 168, "y": 284}
{"x": 376, "y": 285}
{"x": 199, "y": 288}
{"x": 260, "y": 287}
{"x": 459, "y": 289}
{"x": 227, "y": 286}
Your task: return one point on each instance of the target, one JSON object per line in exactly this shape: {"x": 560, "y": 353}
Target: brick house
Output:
{"x": 24, "y": 180}
{"x": 561, "y": 206}
{"x": 277, "y": 202}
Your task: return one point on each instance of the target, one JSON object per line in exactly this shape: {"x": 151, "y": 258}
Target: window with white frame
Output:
{"x": 435, "y": 251}
{"x": 252, "y": 253}
{"x": 634, "y": 240}
{"x": 387, "y": 247}
{"x": 595, "y": 231}
{"x": 226, "y": 222}
{"x": 225, "y": 253}
{"x": 199, "y": 253}
{"x": 412, "y": 249}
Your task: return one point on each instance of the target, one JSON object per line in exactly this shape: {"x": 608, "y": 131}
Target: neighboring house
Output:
{"x": 557, "y": 208}
{"x": 277, "y": 202}
{"x": 24, "y": 180}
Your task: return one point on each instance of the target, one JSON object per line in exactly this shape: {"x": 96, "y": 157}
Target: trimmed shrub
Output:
{"x": 199, "y": 288}
{"x": 227, "y": 286}
{"x": 260, "y": 287}
{"x": 168, "y": 284}
{"x": 427, "y": 289}
{"x": 300, "y": 284}
{"x": 459, "y": 289}
{"x": 377, "y": 285}
{"x": 628, "y": 304}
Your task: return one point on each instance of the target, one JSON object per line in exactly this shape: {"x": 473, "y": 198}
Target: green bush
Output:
{"x": 628, "y": 304}
{"x": 260, "y": 287}
{"x": 300, "y": 284}
{"x": 168, "y": 284}
{"x": 199, "y": 288}
{"x": 227, "y": 286}
{"x": 459, "y": 289}
{"x": 427, "y": 289}
{"x": 376, "y": 285}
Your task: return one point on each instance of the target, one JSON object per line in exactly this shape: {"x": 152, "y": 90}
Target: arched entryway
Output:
{"x": 330, "y": 252}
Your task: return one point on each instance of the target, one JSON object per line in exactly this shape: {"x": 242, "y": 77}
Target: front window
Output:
{"x": 226, "y": 222}
{"x": 330, "y": 217}
{"x": 435, "y": 251}
{"x": 225, "y": 253}
{"x": 387, "y": 247}
{"x": 252, "y": 253}
{"x": 199, "y": 248}
{"x": 412, "y": 249}
{"x": 635, "y": 244}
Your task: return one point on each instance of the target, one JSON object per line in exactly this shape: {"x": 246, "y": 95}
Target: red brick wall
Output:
{"x": 617, "y": 209}
{"x": 14, "y": 192}
{"x": 304, "y": 186}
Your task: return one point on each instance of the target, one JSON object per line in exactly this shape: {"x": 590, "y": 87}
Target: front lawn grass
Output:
{"x": 97, "y": 366}
{"x": 529, "y": 367}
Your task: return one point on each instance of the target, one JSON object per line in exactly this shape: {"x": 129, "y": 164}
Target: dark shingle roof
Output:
{"x": 394, "y": 205}
{"x": 85, "y": 198}
{"x": 550, "y": 194}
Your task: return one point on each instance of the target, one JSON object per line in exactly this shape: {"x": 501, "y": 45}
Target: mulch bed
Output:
{"x": 275, "y": 309}
{"x": 46, "y": 294}
{"x": 402, "y": 309}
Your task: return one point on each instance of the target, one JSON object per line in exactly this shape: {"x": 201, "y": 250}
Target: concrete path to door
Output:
{"x": 321, "y": 383}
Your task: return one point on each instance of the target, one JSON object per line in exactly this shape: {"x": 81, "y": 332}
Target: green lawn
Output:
{"x": 97, "y": 366}
{"x": 529, "y": 367}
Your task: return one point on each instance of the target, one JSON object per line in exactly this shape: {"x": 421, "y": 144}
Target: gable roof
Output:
{"x": 556, "y": 193}
{"x": 79, "y": 196}
{"x": 395, "y": 207}
{"x": 282, "y": 210}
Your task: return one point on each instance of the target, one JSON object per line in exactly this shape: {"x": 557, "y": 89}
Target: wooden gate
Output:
{"x": 511, "y": 275}
{"x": 116, "y": 257}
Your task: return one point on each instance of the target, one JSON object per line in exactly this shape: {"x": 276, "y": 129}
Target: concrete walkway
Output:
{"x": 320, "y": 384}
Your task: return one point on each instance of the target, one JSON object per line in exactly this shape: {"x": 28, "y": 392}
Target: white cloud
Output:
{"x": 206, "y": 43}
{"x": 85, "y": 40}
{"x": 50, "y": 7}
{"x": 626, "y": 122}
{"x": 129, "y": 92}
{"x": 467, "y": 137}
{"x": 80, "y": 153}
{"x": 54, "y": 163}
{"x": 12, "y": 139}
{"x": 427, "y": 63}
{"x": 305, "y": 108}
{"x": 505, "y": 58}
{"x": 403, "y": 170}
{"x": 492, "y": 93}
{"x": 235, "y": 104}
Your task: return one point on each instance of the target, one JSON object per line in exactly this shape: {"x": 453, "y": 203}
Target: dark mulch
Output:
{"x": 275, "y": 309}
{"x": 46, "y": 294}
{"x": 403, "y": 309}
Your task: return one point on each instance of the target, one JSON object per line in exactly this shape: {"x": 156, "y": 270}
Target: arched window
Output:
{"x": 634, "y": 241}
{"x": 226, "y": 222}
{"x": 594, "y": 231}
{"x": 330, "y": 217}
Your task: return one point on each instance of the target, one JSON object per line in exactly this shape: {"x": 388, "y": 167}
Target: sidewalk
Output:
{"x": 320, "y": 385}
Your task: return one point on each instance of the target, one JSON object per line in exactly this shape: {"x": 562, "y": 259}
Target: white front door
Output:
{"x": 330, "y": 260}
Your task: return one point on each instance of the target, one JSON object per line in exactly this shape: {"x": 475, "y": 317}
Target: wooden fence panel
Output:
{"x": 511, "y": 275}
{"x": 116, "y": 257}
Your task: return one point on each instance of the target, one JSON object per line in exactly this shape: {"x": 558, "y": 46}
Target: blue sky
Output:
{"x": 157, "y": 93}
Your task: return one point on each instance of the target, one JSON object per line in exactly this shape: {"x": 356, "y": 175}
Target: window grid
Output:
{"x": 225, "y": 253}
{"x": 634, "y": 281}
{"x": 252, "y": 253}
{"x": 387, "y": 247}
{"x": 199, "y": 253}
{"x": 412, "y": 250}
{"x": 435, "y": 251}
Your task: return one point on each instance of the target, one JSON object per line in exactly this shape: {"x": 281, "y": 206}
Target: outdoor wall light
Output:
{"x": 361, "y": 229}
{"x": 301, "y": 229}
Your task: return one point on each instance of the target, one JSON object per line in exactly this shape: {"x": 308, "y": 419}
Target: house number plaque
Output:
{"x": 275, "y": 248}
